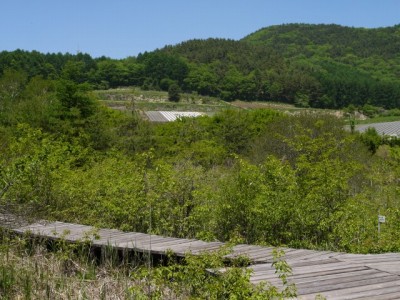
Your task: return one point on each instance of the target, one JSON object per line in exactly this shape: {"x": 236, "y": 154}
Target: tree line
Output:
{"x": 324, "y": 66}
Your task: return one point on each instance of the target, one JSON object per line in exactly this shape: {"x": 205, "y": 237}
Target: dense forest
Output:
{"x": 255, "y": 176}
{"x": 324, "y": 66}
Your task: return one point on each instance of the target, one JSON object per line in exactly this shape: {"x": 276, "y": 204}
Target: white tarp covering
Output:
{"x": 388, "y": 128}
{"x": 169, "y": 116}
{"x": 173, "y": 115}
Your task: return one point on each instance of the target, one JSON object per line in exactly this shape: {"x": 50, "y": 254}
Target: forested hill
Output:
{"x": 325, "y": 66}
{"x": 309, "y": 65}
{"x": 338, "y": 40}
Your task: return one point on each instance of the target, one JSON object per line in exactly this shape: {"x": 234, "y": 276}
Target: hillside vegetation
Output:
{"x": 239, "y": 176}
{"x": 256, "y": 176}
{"x": 321, "y": 66}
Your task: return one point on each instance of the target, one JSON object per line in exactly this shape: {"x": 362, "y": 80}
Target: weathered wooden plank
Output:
{"x": 311, "y": 268}
{"x": 141, "y": 248}
{"x": 311, "y": 277}
{"x": 104, "y": 239}
{"x": 317, "y": 281}
{"x": 29, "y": 227}
{"x": 392, "y": 267}
{"x": 300, "y": 254}
{"x": 140, "y": 243}
{"x": 111, "y": 240}
{"x": 153, "y": 239}
{"x": 153, "y": 248}
{"x": 172, "y": 241}
{"x": 371, "y": 261}
{"x": 59, "y": 231}
{"x": 145, "y": 237}
{"x": 317, "y": 255}
{"x": 257, "y": 255}
{"x": 72, "y": 229}
{"x": 249, "y": 250}
{"x": 255, "y": 251}
{"x": 349, "y": 276}
{"x": 394, "y": 295}
{"x": 339, "y": 284}
{"x": 76, "y": 233}
{"x": 208, "y": 249}
{"x": 194, "y": 246}
{"x": 239, "y": 247}
{"x": 325, "y": 267}
{"x": 260, "y": 255}
{"x": 373, "y": 291}
{"x": 303, "y": 263}
{"x": 323, "y": 257}
{"x": 293, "y": 256}
{"x": 370, "y": 257}
{"x": 106, "y": 232}
{"x": 46, "y": 230}
{"x": 359, "y": 291}
{"x": 57, "y": 223}
{"x": 348, "y": 270}
{"x": 265, "y": 274}
{"x": 260, "y": 258}
{"x": 182, "y": 253}
{"x": 63, "y": 224}
{"x": 164, "y": 243}
{"x": 162, "y": 247}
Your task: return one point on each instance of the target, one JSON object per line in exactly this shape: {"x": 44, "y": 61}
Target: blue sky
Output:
{"x": 122, "y": 28}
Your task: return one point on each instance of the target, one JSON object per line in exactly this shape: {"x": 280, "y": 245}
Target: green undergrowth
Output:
{"x": 206, "y": 277}
{"x": 31, "y": 269}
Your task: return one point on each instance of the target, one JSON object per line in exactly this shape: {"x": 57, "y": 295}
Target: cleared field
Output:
{"x": 381, "y": 119}
{"x": 267, "y": 105}
{"x": 137, "y": 99}
{"x": 284, "y": 107}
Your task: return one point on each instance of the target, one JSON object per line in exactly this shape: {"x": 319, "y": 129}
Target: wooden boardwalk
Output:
{"x": 331, "y": 274}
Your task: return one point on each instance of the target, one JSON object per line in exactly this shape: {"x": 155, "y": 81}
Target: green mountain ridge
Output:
{"x": 310, "y": 65}
{"x": 384, "y": 41}
{"x": 322, "y": 66}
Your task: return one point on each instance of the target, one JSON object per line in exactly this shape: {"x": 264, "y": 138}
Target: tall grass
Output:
{"x": 28, "y": 270}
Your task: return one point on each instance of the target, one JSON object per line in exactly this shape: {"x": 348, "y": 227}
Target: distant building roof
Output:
{"x": 169, "y": 116}
{"x": 388, "y": 128}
